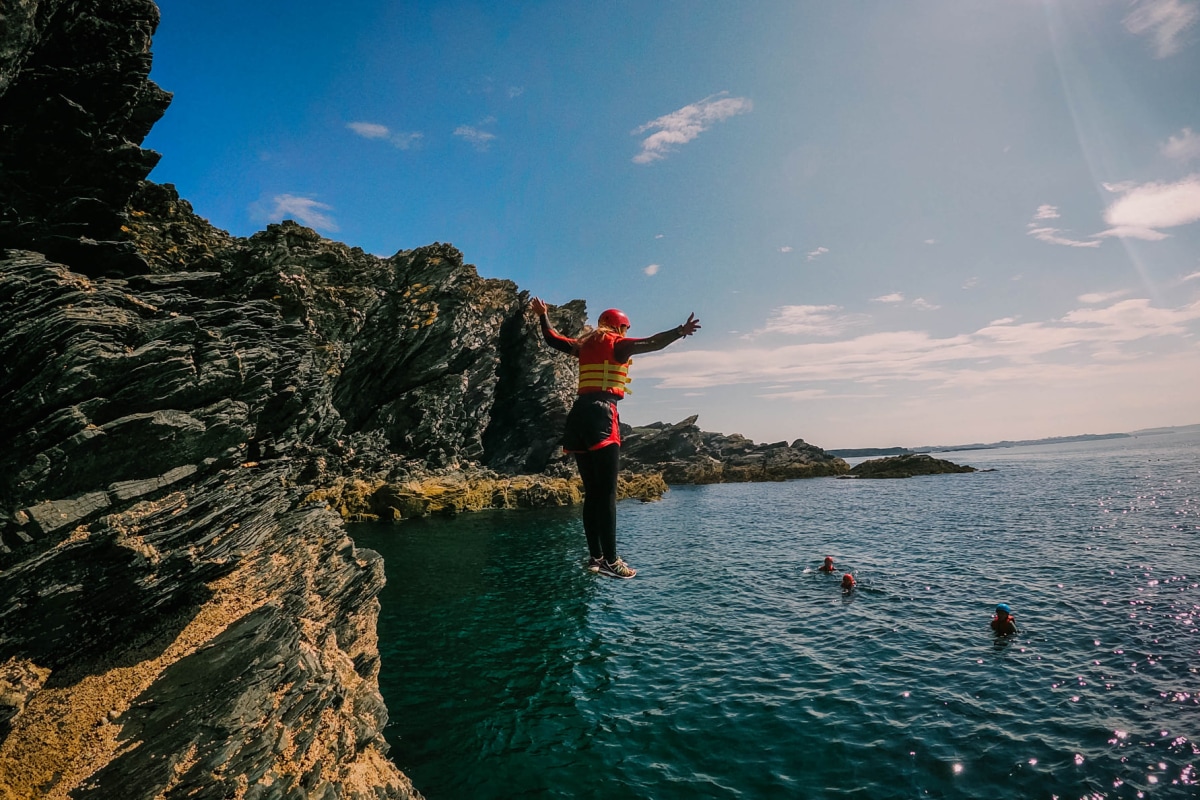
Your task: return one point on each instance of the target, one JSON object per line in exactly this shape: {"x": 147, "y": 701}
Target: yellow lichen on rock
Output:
{"x": 360, "y": 501}
{"x": 65, "y": 733}
{"x": 351, "y": 498}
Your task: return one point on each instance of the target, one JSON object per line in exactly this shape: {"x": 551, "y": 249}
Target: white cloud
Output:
{"x": 481, "y": 139}
{"x": 369, "y": 130}
{"x": 1192, "y": 277}
{"x": 682, "y": 126}
{"x": 894, "y": 297}
{"x": 809, "y": 321}
{"x": 304, "y": 210}
{"x": 922, "y": 304}
{"x": 931, "y": 241}
{"x": 651, "y": 269}
{"x": 659, "y": 235}
{"x": 820, "y": 251}
{"x": 1079, "y": 342}
{"x": 373, "y": 130}
{"x": 1051, "y": 235}
{"x": 787, "y": 248}
{"x": 1164, "y": 21}
{"x": 971, "y": 283}
{"x": 1184, "y": 147}
{"x": 1142, "y": 210}
{"x": 1094, "y": 298}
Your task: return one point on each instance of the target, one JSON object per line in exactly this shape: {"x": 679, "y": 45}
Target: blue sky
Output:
{"x": 901, "y": 223}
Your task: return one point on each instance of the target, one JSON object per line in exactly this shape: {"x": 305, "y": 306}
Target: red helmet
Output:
{"x": 614, "y": 318}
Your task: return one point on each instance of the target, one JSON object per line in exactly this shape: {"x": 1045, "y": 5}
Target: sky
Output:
{"x": 899, "y": 223}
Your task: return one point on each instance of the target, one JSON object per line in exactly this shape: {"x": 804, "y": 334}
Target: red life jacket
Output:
{"x": 598, "y": 368}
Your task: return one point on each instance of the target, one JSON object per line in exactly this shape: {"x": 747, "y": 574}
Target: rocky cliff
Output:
{"x": 189, "y": 417}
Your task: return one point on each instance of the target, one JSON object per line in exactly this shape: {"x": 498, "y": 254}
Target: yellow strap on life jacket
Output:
{"x": 604, "y": 377}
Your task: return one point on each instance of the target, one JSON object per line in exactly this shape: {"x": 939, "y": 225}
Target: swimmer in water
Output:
{"x": 1004, "y": 623}
{"x": 827, "y": 566}
{"x": 847, "y": 582}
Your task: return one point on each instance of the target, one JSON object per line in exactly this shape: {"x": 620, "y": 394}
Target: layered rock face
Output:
{"x": 185, "y": 413}
{"x": 75, "y": 104}
{"x": 165, "y": 430}
{"x": 174, "y": 620}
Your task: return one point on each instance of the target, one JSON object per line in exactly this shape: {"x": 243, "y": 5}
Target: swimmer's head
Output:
{"x": 1002, "y": 608}
{"x": 847, "y": 581}
{"x": 829, "y": 561}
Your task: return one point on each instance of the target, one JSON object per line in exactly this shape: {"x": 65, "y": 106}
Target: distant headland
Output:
{"x": 875, "y": 452}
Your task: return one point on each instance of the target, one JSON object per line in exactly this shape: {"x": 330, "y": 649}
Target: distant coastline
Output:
{"x": 861, "y": 452}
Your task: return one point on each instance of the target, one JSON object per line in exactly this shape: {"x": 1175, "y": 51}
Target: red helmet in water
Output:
{"x": 614, "y": 318}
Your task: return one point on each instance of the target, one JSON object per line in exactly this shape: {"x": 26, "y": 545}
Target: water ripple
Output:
{"x": 731, "y": 668}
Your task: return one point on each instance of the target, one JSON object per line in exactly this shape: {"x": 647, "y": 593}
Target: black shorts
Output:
{"x": 592, "y": 423}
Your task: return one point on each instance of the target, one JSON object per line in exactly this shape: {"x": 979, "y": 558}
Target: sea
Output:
{"x": 730, "y": 667}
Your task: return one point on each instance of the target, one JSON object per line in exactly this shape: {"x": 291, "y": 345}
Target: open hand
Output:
{"x": 539, "y": 306}
{"x": 691, "y": 326}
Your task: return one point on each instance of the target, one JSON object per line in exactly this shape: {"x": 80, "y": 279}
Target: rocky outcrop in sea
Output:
{"x": 190, "y": 417}
{"x": 906, "y": 466}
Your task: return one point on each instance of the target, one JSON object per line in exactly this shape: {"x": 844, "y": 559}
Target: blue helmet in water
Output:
{"x": 1003, "y": 607}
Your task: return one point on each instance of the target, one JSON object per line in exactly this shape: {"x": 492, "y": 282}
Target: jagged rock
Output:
{"x": 906, "y": 466}
{"x": 685, "y": 454}
{"x": 170, "y": 236}
{"x": 75, "y": 103}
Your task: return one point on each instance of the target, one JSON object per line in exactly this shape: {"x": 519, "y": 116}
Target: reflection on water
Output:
{"x": 730, "y": 667}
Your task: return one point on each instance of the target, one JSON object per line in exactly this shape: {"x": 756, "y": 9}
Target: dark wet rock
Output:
{"x": 906, "y": 466}
{"x": 686, "y": 455}
{"x": 75, "y": 103}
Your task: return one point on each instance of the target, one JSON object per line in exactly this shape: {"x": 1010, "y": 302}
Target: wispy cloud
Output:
{"x": 651, "y": 269}
{"x": 1049, "y": 234}
{"x": 1095, "y": 298}
{"x": 479, "y": 138}
{"x": 820, "y": 251}
{"x": 1164, "y": 21}
{"x": 1184, "y": 147}
{"x": 369, "y": 130}
{"x": 682, "y": 126}
{"x": 1192, "y": 277}
{"x": 304, "y": 210}
{"x": 809, "y": 321}
{"x": 1081, "y": 340}
{"x": 787, "y": 248}
{"x": 373, "y": 130}
{"x": 896, "y": 298}
{"x": 1142, "y": 210}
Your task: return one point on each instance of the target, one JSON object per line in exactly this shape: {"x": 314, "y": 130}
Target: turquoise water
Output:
{"x": 730, "y": 668}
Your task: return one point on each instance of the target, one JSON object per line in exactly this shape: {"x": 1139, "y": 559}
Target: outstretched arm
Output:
{"x": 627, "y": 348}
{"x": 553, "y": 338}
